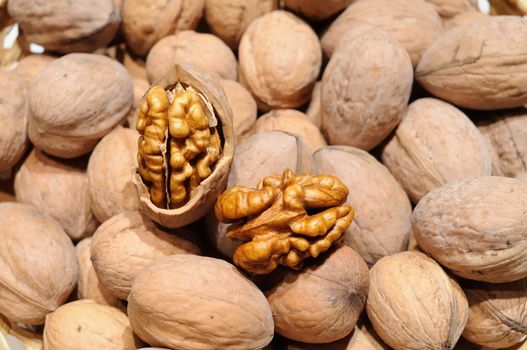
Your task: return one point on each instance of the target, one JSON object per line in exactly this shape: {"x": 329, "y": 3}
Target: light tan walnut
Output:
{"x": 243, "y": 107}
{"x": 30, "y": 66}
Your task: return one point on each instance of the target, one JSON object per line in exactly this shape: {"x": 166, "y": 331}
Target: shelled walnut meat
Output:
{"x": 498, "y": 315}
{"x": 279, "y": 228}
{"x": 58, "y": 188}
{"x": 38, "y": 261}
{"x": 414, "y": 304}
{"x": 476, "y": 228}
{"x": 475, "y": 66}
{"x": 75, "y": 101}
{"x": 67, "y": 26}
{"x": 186, "y": 146}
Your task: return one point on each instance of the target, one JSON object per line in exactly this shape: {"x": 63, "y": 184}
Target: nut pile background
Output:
{"x": 417, "y": 107}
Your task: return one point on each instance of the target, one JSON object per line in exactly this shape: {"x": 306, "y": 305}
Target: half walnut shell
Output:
{"x": 185, "y": 148}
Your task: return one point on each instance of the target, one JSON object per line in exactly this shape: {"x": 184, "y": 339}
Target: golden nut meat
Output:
{"x": 185, "y": 146}
{"x": 288, "y": 219}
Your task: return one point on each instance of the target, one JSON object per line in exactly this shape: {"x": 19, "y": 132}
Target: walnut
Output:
{"x": 315, "y": 9}
{"x": 509, "y": 7}
{"x": 30, "y": 66}
{"x": 279, "y": 228}
{"x": 314, "y": 110}
{"x": 243, "y": 106}
{"x": 185, "y": 146}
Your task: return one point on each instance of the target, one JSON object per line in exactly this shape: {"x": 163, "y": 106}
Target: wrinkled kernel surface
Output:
{"x": 177, "y": 148}
{"x": 278, "y": 228}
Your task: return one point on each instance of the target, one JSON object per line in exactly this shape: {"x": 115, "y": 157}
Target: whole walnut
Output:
{"x": 38, "y": 263}
{"x": 306, "y": 310}
{"x": 497, "y": 313}
{"x": 110, "y": 171}
{"x": 280, "y": 59}
{"x": 316, "y": 9}
{"x": 314, "y": 110}
{"x": 125, "y": 244}
{"x": 522, "y": 177}
{"x": 413, "y": 304}
{"x": 463, "y": 18}
{"x": 86, "y": 325}
{"x": 507, "y": 134}
{"x": 59, "y": 189}
{"x": 453, "y": 8}
{"x": 415, "y": 23}
{"x": 228, "y": 19}
{"x": 140, "y": 87}
{"x": 365, "y": 89}
{"x": 31, "y": 65}
{"x": 76, "y": 100}
{"x": 67, "y": 26}
{"x": 258, "y": 156}
{"x": 14, "y": 113}
{"x": 292, "y": 121}
{"x": 89, "y": 286}
{"x": 434, "y": 144}
{"x": 146, "y": 22}
{"x": 243, "y": 107}
{"x": 381, "y": 225}
{"x": 192, "y": 302}
{"x": 475, "y": 227}
{"x": 204, "y": 51}
{"x": 473, "y": 66}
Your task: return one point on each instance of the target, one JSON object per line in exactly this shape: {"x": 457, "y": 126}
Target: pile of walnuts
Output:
{"x": 263, "y": 174}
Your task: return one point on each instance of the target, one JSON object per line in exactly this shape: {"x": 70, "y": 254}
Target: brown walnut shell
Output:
{"x": 474, "y": 66}
{"x": 315, "y": 9}
{"x": 314, "y": 110}
{"x": 413, "y": 304}
{"x": 202, "y": 198}
{"x": 30, "y": 66}
{"x": 76, "y": 100}
{"x": 452, "y": 8}
{"x": 127, "y": 243}
{"x": 365, "y": 89}
{"x": 29, "y": 290}
{"x": 497, "y": 315}
{"x": 67, "y": 26}
{"x": 382, "y": 222}
{"x": 14, "y": 114}
{"x": 463, "y": 18}
{"x": 414, "y": 23}
{"x": 434, "y": 144}
{"x": 58, "y": 188}
{"x": 147, "y": 22}
{"x": 268, "y": 72}
{"x": 476, "y": 228}
{"x": 323, "y": 302}
{"x": 110, "y": 172}
{"x": 198, "y": 303}
{"x": 86, "y": 325}
{"x": 244, "y": 110}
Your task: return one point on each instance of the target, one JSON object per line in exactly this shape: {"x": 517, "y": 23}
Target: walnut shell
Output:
{"x": 463, "y": 18}
{"x": 125, "y": 244}
{"x": 473, "y": 66}
{"x": 59, "y": 189}
{"x": 292, "y": 121}
{"x": 435, "y": 143}
{"x": 110, "y": 171}
{"x": 29, "y": 290}
{"x": 314, "y": 110}
{"x": 452, "y": 8}
{"x": 86, "y": 325}
{"x": 243, "y": 107}
{"x": 365, "y": 89}
{"x": 146, "y": 22}
{"x": 268, "y": 71}
{"x": 67, "y": 26}
{"x": 31, "y": 65}
{"x": 381, "y": 225}
{"x": 507, "y": 135}
{"x": 228, "y": 19}
{"x": 304, "y": 309}
{"x": 204, "y": 51}
{"x": 415, "y": 23}
{"x": 316, "y": 9}
{"x": 192, "y": 302}
{"x": 140, "y": 87}
{"x": 257, "y": 156}
{"x": 497, "y": 313}
{"x": 89, "y": 286}
{"x": 203, "y": 197}
{"x": 76, "y": 100}
{"x": 522, "y": 177}
{"x": 14, "y": 114}
{"x": 476, "y": 228}
{"x": 413, "y": 304}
